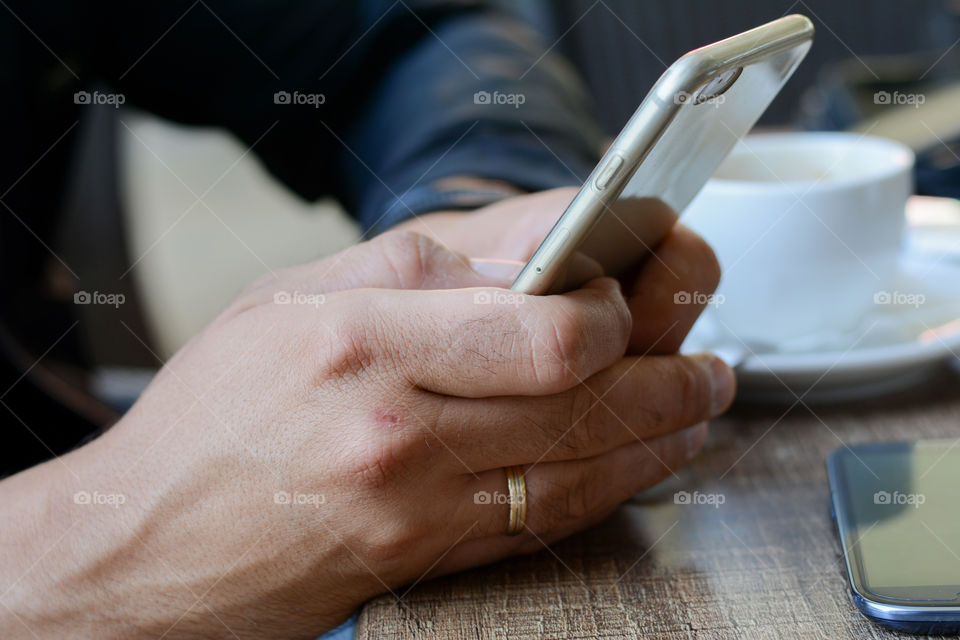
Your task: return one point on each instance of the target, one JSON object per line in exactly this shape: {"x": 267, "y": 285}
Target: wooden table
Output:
{"x": 764, "y": 564}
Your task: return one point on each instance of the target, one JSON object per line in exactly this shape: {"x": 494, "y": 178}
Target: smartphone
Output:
{"x": 897, "y": 509}
{"x": 696, "y": 112}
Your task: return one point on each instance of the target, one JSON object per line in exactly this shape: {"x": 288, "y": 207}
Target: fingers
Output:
{"x": 561, "y": 496}
{"x": 395, "y": 260}
{"x": 541, "y": 210}
{"x": 511, "y": 228}
{"x": 630, "y": 228}
{"x": 670, "y": 291}
{"x": 493, "y": 342}
{"x": 501, "y": 272}
{"x": 635, "y": 399}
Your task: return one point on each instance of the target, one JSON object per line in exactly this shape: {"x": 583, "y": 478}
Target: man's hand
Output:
{"x": 512, "y": 229}
{"x": 331, "y": 436}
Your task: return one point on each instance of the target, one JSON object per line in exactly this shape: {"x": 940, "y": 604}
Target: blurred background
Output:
{"x": 190, "y": 216}
{"x": 622, "y": 46}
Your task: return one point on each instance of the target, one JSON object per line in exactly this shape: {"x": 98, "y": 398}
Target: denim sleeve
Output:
{"x": 481, "y": 96}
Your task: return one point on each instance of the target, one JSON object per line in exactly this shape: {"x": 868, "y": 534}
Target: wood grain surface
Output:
{"x": 765, "y": 564}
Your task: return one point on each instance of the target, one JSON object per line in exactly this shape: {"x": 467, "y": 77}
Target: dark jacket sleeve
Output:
{"x": 476, "y": 97}
{"x": 361, "y": 100}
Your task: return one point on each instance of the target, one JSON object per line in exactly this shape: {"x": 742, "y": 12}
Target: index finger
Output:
{"x": 489, "y": 342}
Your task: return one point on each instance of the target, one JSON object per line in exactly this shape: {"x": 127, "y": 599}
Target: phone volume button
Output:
{"x": 609, "y": 171}
{"x": 560, "y": 238}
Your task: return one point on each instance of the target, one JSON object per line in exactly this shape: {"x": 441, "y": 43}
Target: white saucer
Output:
{"x": 895, "y": 346}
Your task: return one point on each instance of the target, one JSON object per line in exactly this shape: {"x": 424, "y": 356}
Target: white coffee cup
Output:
{"x": 807, "y": 227}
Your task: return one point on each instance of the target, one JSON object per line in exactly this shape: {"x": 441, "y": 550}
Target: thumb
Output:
{"x": 405, "y": 260}
{"x": 501, "y": 273}
{"x": 394, "y": 260}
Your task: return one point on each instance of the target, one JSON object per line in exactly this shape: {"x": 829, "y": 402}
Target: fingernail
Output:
{"x": 723, "y": 382}
{"x": 696, "y": 436}
{"x": 505, "y": 270}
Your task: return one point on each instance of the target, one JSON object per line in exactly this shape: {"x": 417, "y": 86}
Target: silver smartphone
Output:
{"x": 681, "y": 132}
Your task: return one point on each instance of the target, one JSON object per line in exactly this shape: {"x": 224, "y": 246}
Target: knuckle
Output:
{"x": 549, "y": 436}
{"x": 551, "y": 508}
{"x": 587, "y": 421}
{"x": 578, "y": 505}
{"x": 346, "y": 351}
{"x": 558, "y": 352}
{"x": 690, "y": 390}
{"x": 393, "y": 444}
{"x": 377, "y": 464}
{"x": 562, "y": 503}
{"x": 254, "y": 293}
{"x": 407, "y": 255}
{"x": 556, "y": 422}
{"x": 574, "y": 503}
{"x": 387, "y": 546}
{"x": 382, "y": 546}
{"x": 623, "y": 319}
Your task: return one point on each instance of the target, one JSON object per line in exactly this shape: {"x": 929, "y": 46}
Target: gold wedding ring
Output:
{"x": 517, "y": 488}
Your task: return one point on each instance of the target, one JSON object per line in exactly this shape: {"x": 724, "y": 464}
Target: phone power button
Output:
{"x": 609, "y": 171}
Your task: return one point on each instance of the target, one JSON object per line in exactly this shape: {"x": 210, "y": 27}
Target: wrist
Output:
{"x": 81, "y": 568}
{"x": 48, "y": 574}
{"x": 491, "y": 185}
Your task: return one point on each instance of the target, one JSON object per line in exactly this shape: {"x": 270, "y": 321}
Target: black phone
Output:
{"x": 897, "y": 509}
